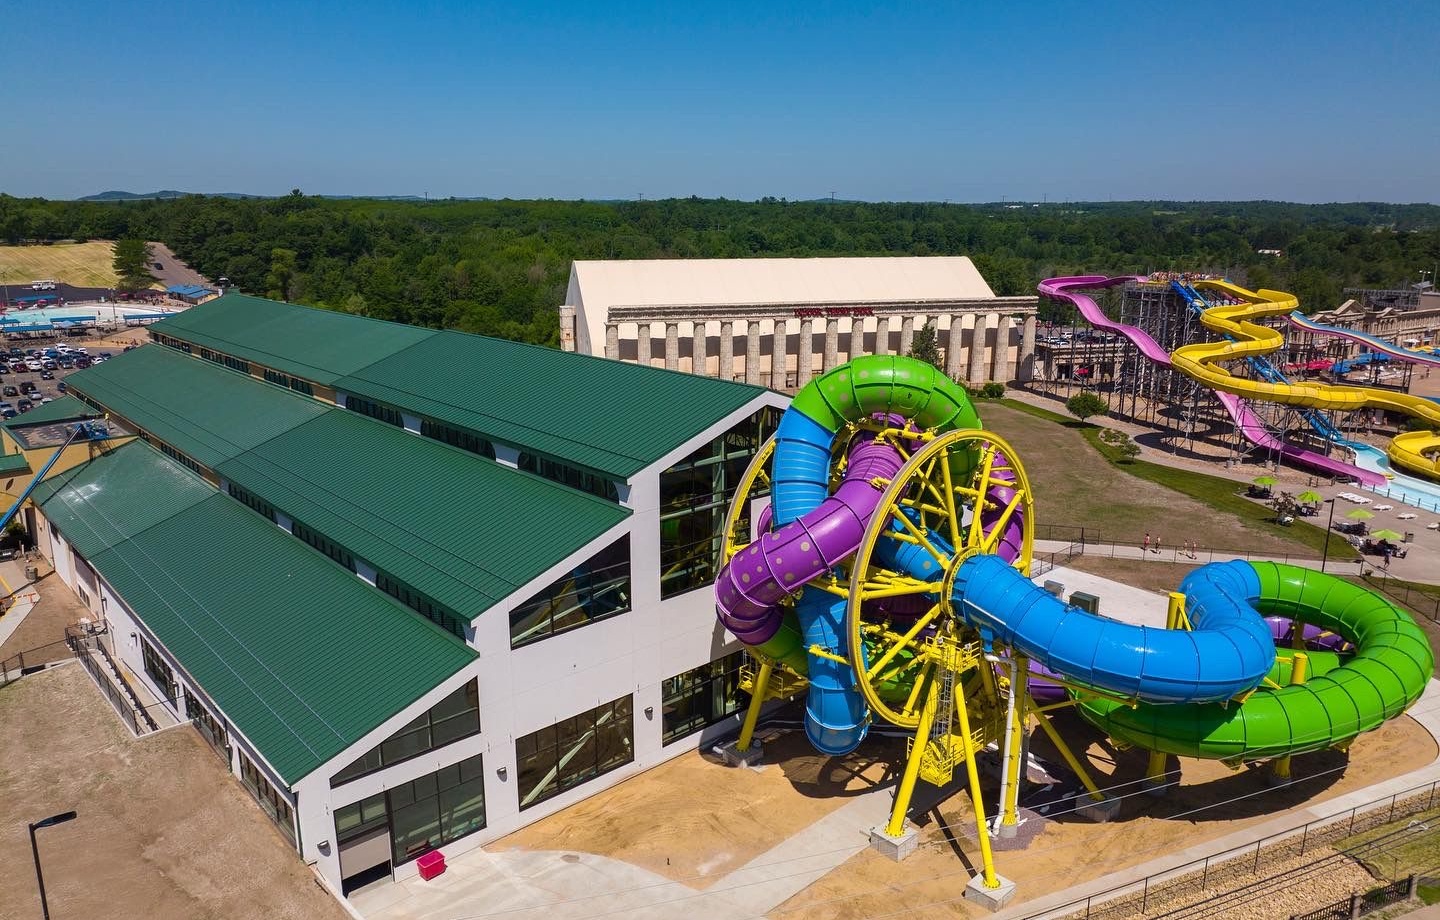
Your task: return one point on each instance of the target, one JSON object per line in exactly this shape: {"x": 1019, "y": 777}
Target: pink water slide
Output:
{"x": 1250, "y": 426}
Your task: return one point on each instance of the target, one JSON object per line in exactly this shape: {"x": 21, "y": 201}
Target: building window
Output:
{"x": 324, "y": 544}
{"x": 254, "y": 502}
{"x": 455, "y": 717}
{"x": 293, "y": 383}
{"x": 360, "y": 818}
{"x": 271, "y": 802}
{"x": 387, "y": 414}
{"x": 598, "y": 588}
{"x": 694, "y": 495}
{"x": 174, "y": 454}
{"x": 159, "y": 672}
{"x": 436, "y": 809}
{"x": 568, "y": 475}
{"x": 457, "y": 437}
{"x": 222, "y": 358}
{"x": 209, "y": 727}
{"x": 438, "y": 614}
{"x": 574, "y": 751}
{"x": 702, "y": 697}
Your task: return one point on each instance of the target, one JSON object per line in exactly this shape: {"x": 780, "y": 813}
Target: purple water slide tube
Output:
{"x": 1246, "y": 421}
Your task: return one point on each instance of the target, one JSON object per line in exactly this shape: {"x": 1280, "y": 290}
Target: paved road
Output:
{"x": 172, "y": 271}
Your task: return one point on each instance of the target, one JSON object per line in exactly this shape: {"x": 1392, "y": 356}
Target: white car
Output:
{"x": 33, "y": 365}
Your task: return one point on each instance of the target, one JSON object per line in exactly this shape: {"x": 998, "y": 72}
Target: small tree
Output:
{"x": 924, "y": 347}
{"x": 1084, "y": 405}
{"x": 282, "y": 272}
{"x": 1120, "y": 444}
{"x": 992, "y": 390}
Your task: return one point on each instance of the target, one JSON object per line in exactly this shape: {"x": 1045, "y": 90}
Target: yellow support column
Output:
{"x": 1155, "y": 781}
{"x": 987, "y": 888}
{"x": 894, "y": 839}
{"x": 1299, "y": 670}
{"x": 1175, "y": 617}
{"x": 740, "y": 753}
{"x": 1009, "y": 806}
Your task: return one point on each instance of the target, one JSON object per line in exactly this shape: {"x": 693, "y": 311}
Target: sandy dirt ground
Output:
{"x": 1211, "y": 801}
{"x": 163, "y": 832}
{"x": 41, "y": 635}
{"x": 693, "y": 820}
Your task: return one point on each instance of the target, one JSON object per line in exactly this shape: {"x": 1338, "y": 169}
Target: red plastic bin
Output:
{"x": 431, "y": 864}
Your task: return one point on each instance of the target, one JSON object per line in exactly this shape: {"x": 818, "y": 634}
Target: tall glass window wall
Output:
{"x": 455, "y": 717}
{"x": 575, "y": 750}
{"x": 702, "y": 697}
{"x": 598, "y": 588}
{"x": 694, "y": 494}
{"x": 159, "y": 671}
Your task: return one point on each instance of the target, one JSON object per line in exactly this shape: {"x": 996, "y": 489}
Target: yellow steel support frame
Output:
{"x": 1014, "y": 735}
{"x": 896, "y": 827}
{"x": 1155, "y": 767}
{"x": 1071, "y": 760}
{"x": 987, "y": 858}
{"x": 1299, "y": 671}
{"x": 757, "y": 701}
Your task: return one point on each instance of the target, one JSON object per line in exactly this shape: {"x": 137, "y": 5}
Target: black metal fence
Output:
{"x": 106, "y": 674}
{"x": 1358, "y": 905}
{"x": 1195, "y": 879}
{"x": 29, "y": 660}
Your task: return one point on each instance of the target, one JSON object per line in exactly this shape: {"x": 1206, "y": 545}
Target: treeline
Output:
{"x": 501, "y": 267}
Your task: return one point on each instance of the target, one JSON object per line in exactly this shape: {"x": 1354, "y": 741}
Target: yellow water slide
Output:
{"x": 1416, "y": 452}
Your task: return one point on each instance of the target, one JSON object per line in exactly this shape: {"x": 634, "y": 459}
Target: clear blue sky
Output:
{"x": 1302, "y": 101}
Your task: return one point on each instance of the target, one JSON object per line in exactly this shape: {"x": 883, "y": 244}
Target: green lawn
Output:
{"x": 1079, "y": 480}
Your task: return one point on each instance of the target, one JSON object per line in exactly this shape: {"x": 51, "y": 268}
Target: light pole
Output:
{"x": 1325, "y": 553}
{"x": 35, "y": 851}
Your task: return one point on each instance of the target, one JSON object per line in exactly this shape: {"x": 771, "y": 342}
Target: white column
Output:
{"x": 672, "y": 346}
{"x": 882, "y": 335}
{"x": 779, "y": 355}
{"x": 907, "y": 333}
{"x": 977, "y": 350}
{"x": 727, "y": 350}
{"x": 1025, "y": 366}
{"x": 700, "y": 348}
{"x": 612, "y": 341}
{"x": 752, "y": 352}
{"x": 952, "y": 351}
{"x": 642, "y": 344}
{"x": 1000, "y": 366}
{"x": 805, "y": 353}
{"x": 832, "y": 344}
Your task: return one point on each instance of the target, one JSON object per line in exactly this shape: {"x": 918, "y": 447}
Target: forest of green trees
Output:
{"x": 501, "y": 267}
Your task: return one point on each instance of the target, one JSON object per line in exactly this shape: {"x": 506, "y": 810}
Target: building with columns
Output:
{"x": 780, "y": 322}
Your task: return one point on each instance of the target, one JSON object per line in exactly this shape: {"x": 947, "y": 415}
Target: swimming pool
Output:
{"x": 98, "y": 312}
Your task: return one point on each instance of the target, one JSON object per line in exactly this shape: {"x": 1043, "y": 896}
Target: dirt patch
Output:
{"x": 693, "y": 820}
{"x": 1153, "y": 576}
{"x": 163, "y": 831}
{"x": 1211, "y": 802}
{"x": 40, "y": 637}
{"x": 1075, "y": 485}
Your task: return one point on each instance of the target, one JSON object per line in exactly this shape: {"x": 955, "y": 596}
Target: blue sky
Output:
{"x": 1317, "y": 101}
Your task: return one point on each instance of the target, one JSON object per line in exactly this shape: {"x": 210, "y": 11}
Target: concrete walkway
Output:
{"x": 549, "y": 885}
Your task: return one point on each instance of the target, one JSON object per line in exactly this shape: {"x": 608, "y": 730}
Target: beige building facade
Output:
{"x": 781, "y": 322}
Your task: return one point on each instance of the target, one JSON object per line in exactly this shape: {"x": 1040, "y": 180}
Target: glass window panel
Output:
{"x": 454, "y": 728}
{"x": 415, "y": 828}
{"x": 462, "y": 809}
{"x": 597, "y": 588}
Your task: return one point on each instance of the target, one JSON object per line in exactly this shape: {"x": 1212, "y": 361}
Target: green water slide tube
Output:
{"x": 1388, "y": 672}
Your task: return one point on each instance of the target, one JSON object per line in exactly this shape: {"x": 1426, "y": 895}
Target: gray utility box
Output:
{"x": 1085, "y": 601}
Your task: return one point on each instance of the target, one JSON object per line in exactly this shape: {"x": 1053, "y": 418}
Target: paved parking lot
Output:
{"x": 46, "y": 388}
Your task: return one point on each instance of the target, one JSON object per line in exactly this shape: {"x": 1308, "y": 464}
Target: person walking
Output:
{"x": 1145, "y": 547}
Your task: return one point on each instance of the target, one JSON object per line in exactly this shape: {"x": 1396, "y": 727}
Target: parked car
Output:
{"x": 61, "y": 387}
{"x": 66, "y": 363}
{"x": 47, "y": 375}
{"x": 10, "y": 391}
{"x": 34, "y": 365}
{"x": 82, "y": 362}
{"x": 29, "y": 387}
{"x": 25, "y": 405}
{"x": 8, "y": 413}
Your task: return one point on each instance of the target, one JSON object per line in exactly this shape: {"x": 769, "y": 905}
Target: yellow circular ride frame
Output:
{"x": 925, "y": 486}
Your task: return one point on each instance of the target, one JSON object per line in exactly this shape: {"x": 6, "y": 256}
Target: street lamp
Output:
{"x": 1325, "y": 553}
{"x": 35, "y": 851}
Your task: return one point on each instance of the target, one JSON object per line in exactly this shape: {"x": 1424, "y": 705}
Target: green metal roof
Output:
{"x": 460, "y": 528}
{"x": 302, "y": 657}
{"x": 441, "y": 519}
{"x": 134, "y": 485}
{"x": 11, "y": 464}
{"x": 207, "y": 411}
{"x": 64, "y": 409}
{"x": 602, "y": 415}
{"x": 607, "y": 416}
{"x": 319, "y": 345}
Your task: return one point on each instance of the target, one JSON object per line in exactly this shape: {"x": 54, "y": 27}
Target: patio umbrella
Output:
{"x": 1309, "y": 495}
{"x": 1359, "y": 514}
{"x": 1386, "y": 535}
{"x": 1264, "y": 480}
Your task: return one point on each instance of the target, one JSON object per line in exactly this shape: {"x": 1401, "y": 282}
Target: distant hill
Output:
{"x": 159, "y": 196}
